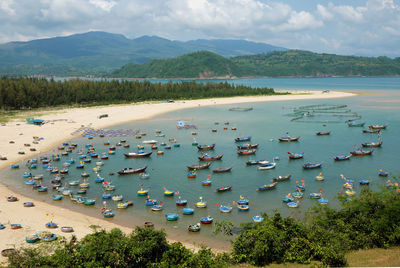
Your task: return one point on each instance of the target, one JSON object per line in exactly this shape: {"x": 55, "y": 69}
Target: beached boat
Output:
{"x": 295, "y": 155}
{"x": 222, "y": 170}
{"x": 281, "y": 178}
{"x": 247, "y": 146}
{"x": 15, "y": 226}
{"x": 247, "y": 152}
{"x": 137, "y": 155}
{"x": 377, "y": 126}
{"x": 67, "y": 229}
{"x": 224, "y": 188}
{"x": 201, "y": 166}
{"x": 361, "y": 152}
{"x": 15, "y": 166}
{"x": 372, "y": 144}
{"x": 206, "y": 147}
{"x": 194, "y": 228}
{"x": 127, "y": 171}
{"x": 48, "y": 237}
{"x": 89, "y": 202}
{"x": 257, "y": 218}
{"x": 207, "y": 220}
{"x": 353, "y": 124}
{"x": 51, "y": 225}
{"x": 267, "y": 166}
{"x": 29, "y": 204}
{"x": 56, "y": 197}
{"x": 12, "y": 198}
{"x": 342, "y": 157}
{"x": 267, "y": 187}
{"x": 312, "y": 165}
{"x": 321, "y": 133}
{"x": 241, "y": 139}
{"x": 172, "y": 216}
{"x": 371, "y": 131}
{"x": 32, "y": 238}
{"x": 288, "y": 139}
{"x": 206, "y": 157}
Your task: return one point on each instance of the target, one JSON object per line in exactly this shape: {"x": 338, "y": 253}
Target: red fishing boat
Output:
{"x": 247, "y": 152}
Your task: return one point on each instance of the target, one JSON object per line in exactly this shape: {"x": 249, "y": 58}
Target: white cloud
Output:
{"x": 324, "y": 13}
{"x": 5, "y": 5}
{"x": 103, "y": 4}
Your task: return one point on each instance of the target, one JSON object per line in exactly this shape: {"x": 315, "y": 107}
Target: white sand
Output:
{"x": 53, "y": 134}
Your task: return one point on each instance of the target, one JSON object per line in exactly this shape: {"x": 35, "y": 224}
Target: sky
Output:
{"x": 345, "y": 27}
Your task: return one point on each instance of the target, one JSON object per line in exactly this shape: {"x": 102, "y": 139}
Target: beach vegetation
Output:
{"x": 27, "y": 93}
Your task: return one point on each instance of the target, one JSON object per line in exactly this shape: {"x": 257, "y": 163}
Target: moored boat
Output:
{"x": 372, "y": 131}
{"x": 225, "y": 209}
{"x": 191, "y": 174}
{"x": 222, "y": 170}
{"x": 266, "y": 187}
{"x": 288, "y": 138}
{"x": 137, "y": 155}
{"x": 312, "y": 165}
{"x": 207, "y": 220}
{"x": 295, "y": 155}
{"x": 353, "y": 124}
{"x": 172, "y": 216}
{"x": 194, "y": 228}
{"x": 247, "y": 146}
{"x": 361, "y": 152}
{"x": 257, "y": 218}
{"x": 224, "y": 188}
{"x": 247, "y": 152}
{"x": 281, "y": 178}
{"x": 201, "y": 166}
{"x": 206, "y": 147}
{"x": 383, "y": 173}
{"x": 377, "y": 126}
{"x": 243, "y": 207}
{"x": 206, "y": 157}
{"x": 267, "y": 166}
{"x": 241, "y": 139}
{"x": 126, "y": 171}
{"x": 322, "y": 133}
{"x": 342, "y": 157}
{"x": 372, "y": 144}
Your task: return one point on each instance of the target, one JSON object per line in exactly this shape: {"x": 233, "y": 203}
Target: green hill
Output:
{"x": 202, "y": 64}
{"x": 292, "y": 63}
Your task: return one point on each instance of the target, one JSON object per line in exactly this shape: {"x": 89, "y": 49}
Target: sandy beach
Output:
{"x": 59, "y": 128}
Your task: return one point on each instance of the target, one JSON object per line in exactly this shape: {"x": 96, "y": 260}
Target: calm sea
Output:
{"x": 265, "y": 123}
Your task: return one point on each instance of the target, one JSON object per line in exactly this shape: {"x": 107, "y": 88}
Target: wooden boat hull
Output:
{"x": 312, "y": 166}
{"x": 267, "y": 187}
{"x": 342, "y": 157}
{"x": 197, "y": 167}
{"x": 372, "y": 144}
{"x": 247, "y": 146}
{"x": 222, "y": 170}
{"x": 210, "y": 158}
{"x": 281, "y": 178}
{"x": 356, "y": 153}
{"x": 132, "y": 171}
{"x": 288, "y": 139}
{"x": 205, "y": 147}
{"x": 247, "y": 152}
{"x": 377, "y": 127}
{"x": 224, "y": 189}
{"x": 323, "y": 133}
{"x": 137, "y": 155}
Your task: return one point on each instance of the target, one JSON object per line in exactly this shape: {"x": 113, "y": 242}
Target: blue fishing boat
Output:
{"x": 32, "y": 238}
{"x": 172, "y": 216}
{"x": 257, "y": 218}
{"x": 207, "y": 220}
{"x": 27, "y": 174}
{"x": 364, "y": 182}
{"x": 315, "y": 195}
{"x": 342, "y": 157}
{"x": 240, "y": 139}
{"x": 311, "y": 166}
{"x": 243, "y": 207}
{"x": 157, "y": 208}
{"x": 383, "y": 173}
{"x": 56, "y": 197}
{"x": 99, "y": 179}
{"x": 30, "y": 182}
{"x": 225, "y": 209}
{"x": 353, "y": 124}
{"x": 323, "y": 201}
{"x": 150, "y": 202}
{"x": 266, "y": 187}
{"x": 48, "y": 237}
{"x": 293, "y": 204}
{"x": 108, "y": 213}
{"x": 51, "y": 225}
{"x": 106, "y": 196}
{"x": 187, "y": 211}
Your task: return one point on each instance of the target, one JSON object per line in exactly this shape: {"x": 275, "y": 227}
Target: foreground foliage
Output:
{"x": 18, "y": 93}
{"x": 370, "y": 220}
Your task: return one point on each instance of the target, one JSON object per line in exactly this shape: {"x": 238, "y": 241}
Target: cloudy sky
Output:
{"x": 347, "y": 27}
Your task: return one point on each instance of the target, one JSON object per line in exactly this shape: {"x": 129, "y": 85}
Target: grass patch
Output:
{"x": 377, "y": 257}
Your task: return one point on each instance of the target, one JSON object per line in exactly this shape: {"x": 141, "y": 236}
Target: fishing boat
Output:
{"x": 206, "y": 147}
{"x": 15, "y": 226}
{"x": 312, "y": 165}
{"x": 222, "y": 170}
{"x": 225, "y": 209}
{"x": 267, "y": 166}
{"x": 315, "y": 195}
{"x": 106, "y": 196}
{"x": 81, "y": 191}
{"x": 168, "y": 192}
{"x": 187, "y": 211}
{"x": 243, "y": 201}
{"x": 181, "y": 202}
{"x": 201, "y": 203}
{"x": 127, "y": 171}
{"x": 241, "y": 139}
{"x": 266, "y": 187}
{"x": 30, "y": 182}
{"x": 73, "y": 183}
{"x": 288, "y": 139}
{"x": 293, "y": 204}
{"x": 172, "y": 216}
{"x": 150, "y": 202}
{"x": 195, "y": 143}
{"x": 361, "y": 152}
{"x": 32, "y": 238}
{"x": 12, "y": 198}
{"x": 84, "y": 184}
{"x": 191, "y": 174}
{"x": 288, "y": 199}
{"x": 89, "y": 202}
{"x": 206, "y": 182}
{"x": 257, "y": 218}
{"x": 206, "y": 157}
{"x": 194, "y": 227}
{"x": 247, "y": 152}
{"x": 108, "y": 213}
{"x": 157, "y": 207}
{"x": 247, "y": 146}
{"x": 371, "y": 131}
{"x": 321, "y": 133}
{"x": 353, "y": 124}
{"x": 281, "y": 178}
{"x": 117, "y": 197}
{"x": 137, "y": 155}
{"x": 29, "y": 204}
{"x": 51, "y": 225}
{"x": 252, "y": 162}
{"x": 364, "y": 182}
{"x": 342, "y": 157}
{"x": 15, "y": 166}
{"x": 48, "y": 237}
{"x": 372, "y": 144}
{"x": 80, "y": 165}
{"x": 323, "y": 201}
{"x": 243, "y": 207}
{"x": 207, "y": 220}
{"x": 27, "y": 174}
{"x": 122, "y": 205}
{"x": 143, "y": 192}
{"x": 109, "y": 187}
{"x": 383, "y": 173}
{"x": 67, "y": 229}
{"x": 200, "y": 166}
{"x": 319, "y": 177}
{"x": 295, "y": 155}
{"x": 42, "y": 189}
{"x": 377, "y": 126}
{"x": 56, "y": 197}
{"x": 224, "y": 188}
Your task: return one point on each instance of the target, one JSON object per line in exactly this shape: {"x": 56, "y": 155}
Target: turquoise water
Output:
{"x": 265, "y": 123}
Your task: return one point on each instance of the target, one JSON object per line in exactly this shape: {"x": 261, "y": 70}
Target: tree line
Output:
{"x": 369, "y": 220}
{"x": 23, "y": 93}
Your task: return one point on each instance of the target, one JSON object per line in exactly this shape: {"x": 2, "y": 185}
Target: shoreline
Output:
{"x": 56, "y": 132}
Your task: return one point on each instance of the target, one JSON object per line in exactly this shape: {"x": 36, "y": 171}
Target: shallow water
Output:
{"x": 265, "y": 123}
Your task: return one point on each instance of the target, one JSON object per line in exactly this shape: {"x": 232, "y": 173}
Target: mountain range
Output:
{"x": 94, "y": 53}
